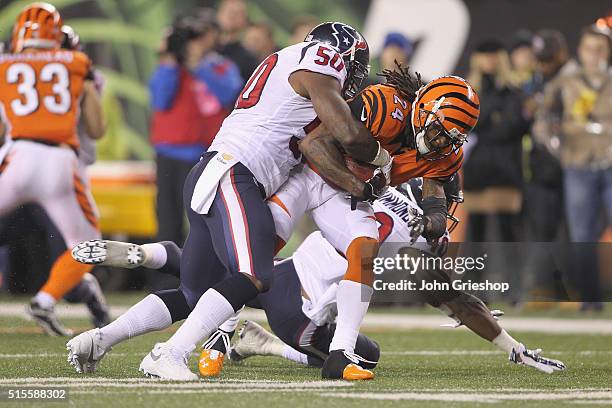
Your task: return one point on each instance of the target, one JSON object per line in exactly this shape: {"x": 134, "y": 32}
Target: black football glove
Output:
{"x": 372, "y": 189}
{"x": 417, "y": 225}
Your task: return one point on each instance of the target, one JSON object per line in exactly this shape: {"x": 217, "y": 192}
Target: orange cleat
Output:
{"x": 353, "y": 372}
{"x": 210, "y": 363}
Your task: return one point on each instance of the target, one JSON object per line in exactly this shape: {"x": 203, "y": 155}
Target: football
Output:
{"x": 363, "y": 171}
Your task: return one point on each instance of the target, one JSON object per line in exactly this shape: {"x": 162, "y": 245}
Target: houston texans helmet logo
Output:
{"x": 345, "y": 37}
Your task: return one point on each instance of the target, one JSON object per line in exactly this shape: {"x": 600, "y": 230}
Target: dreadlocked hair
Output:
{"x": 403, "y": 81}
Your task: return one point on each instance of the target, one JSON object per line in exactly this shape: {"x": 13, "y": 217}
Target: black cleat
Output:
{"x": 342, "y": 365}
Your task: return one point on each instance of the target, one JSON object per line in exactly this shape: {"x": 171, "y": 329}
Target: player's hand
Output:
{"x": 373, "y": 189}
{"x": 417, "y": 226}
{"x": 532, "y": 358}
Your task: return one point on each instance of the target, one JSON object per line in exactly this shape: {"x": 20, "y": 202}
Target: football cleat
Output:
{"x": 109, "y": 253}
{"x": 533, "y": 359}
{"x": 210, "y": 363}
{"x": 167, "y": 363}
{"x": 85, "y": 351}
{"x": 253, "y": 340}
{"x": 47, "y": 319}
{"x": 343, "y": 365}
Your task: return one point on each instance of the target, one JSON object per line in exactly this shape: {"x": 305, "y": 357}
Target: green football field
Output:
{"x": 422, "y": 368}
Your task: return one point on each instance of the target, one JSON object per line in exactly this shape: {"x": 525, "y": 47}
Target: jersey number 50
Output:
{"x": 58, "y": 103}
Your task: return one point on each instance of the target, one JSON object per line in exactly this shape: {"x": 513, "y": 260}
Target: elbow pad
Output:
{"x": 435, "y": 210}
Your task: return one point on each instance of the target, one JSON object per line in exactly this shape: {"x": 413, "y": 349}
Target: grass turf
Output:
{"x": 449, "y": 375}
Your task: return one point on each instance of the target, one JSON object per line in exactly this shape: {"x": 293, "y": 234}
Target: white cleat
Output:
{"x": 254, "y": 340}
{"x": 109, "y": 253}
{"x": 85, "y": 351}
{"x": 532, "y": 358}
{"x": 167, "y": 363}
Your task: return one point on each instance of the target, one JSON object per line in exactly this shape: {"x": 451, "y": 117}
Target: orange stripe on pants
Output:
{"x": 65, "y": 274}
{"x": 83, "y": 200}
{"x": 360, "y": 255}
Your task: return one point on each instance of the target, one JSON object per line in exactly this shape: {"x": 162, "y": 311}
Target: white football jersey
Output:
{"x": 393, "y": 211}
{"x": 270, "y": 117}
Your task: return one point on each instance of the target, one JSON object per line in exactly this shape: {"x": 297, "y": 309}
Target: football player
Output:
{"x": 423, "y": 127}
{"x": 228, "y": 255}
{"x": 43, "y": 91}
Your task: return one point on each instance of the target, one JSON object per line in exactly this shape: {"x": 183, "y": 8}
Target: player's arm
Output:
{"x": 322, "y": 151}
{"x": 325, "y": 93}
{"x": 434, "y": 209}
{"x": 91, "y": 108}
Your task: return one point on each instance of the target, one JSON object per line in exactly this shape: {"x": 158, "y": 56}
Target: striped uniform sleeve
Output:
{"x": 406, "y": 166}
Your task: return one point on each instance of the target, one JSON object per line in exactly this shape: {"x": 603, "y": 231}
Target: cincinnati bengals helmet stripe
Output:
{"x": 38, "y": 26}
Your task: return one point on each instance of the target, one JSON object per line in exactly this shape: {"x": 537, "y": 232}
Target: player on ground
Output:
{"x": 228, "y": 255}
{"x": 42, "y": 91}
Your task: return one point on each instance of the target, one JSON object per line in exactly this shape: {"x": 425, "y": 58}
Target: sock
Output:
{"x": 148, "y": 315}
{"x": 155, "y": 255}
{"x": 173, "y": 259}
{"x": 65, "y": 274}
{"x": 45, "y": 300}
{"x": 505, "y": 342}
{"x": 230, "y": 324}
{"x": 209, "y": 313}
{"x": 353, "y": 299}
{"x": 292, "y": 354}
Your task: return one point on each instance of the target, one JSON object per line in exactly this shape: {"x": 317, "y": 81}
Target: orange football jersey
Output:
{"x": 386, "y": 114}
{"x": 40, "y": 93}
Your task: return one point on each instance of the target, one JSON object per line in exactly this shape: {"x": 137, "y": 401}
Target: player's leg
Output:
{"x": 163, "y": 256}
{"x": 72, "y": 210}
{"x": 243, "y": 235}
{"x": 354, "y": 234}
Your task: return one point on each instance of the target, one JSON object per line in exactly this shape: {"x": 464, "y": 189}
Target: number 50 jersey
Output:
{"x": 269, "y": 116}
{"x": 40, "y": 93}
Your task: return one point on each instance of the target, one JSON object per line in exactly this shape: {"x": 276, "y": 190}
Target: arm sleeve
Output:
{"x": 163, "y": 86}
{"x": 320, "y": 58}
{"x": 222, "y": 77}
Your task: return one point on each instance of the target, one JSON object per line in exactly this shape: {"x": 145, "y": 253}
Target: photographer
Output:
{"x": 192, "y": 91}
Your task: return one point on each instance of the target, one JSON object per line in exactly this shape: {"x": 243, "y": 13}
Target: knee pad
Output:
{"x": 176, "y": 302}
{"x": 369, "y": 350}
{"x": 360, "y": 255}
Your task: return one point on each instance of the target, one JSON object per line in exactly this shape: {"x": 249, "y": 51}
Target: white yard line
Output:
{"x": 385, "y": 353}
{"x": 379, "y": 320}
{"x": 492, "y": 397}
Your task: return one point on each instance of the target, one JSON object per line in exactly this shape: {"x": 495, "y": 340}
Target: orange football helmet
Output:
{"x": 39, "y": 25}
{"x": 444, "y": 111}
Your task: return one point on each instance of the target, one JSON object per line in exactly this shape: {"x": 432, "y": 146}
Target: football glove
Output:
{"x": 417, "y": 225}
{"x": 373, "y": 189}
{"x": 533, "y": 359}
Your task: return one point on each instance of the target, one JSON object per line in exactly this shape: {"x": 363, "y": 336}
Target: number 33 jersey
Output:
{"x": 270, "y": 117}
{"x": 40, "y": 93}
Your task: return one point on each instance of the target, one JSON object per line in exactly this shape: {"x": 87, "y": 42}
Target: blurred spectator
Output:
{"x": 259, "y": 40}
{"x": 492, "y": 171}
{"x": 396, "y": 47}
{"x": 543, "y": 203}
{"x": 302, "y": 26}
{"x": 192, "y": 90}
{"x": 576, "y": 124}
{"x": 233, "y": 20}
{"x": 522, "y": 58}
